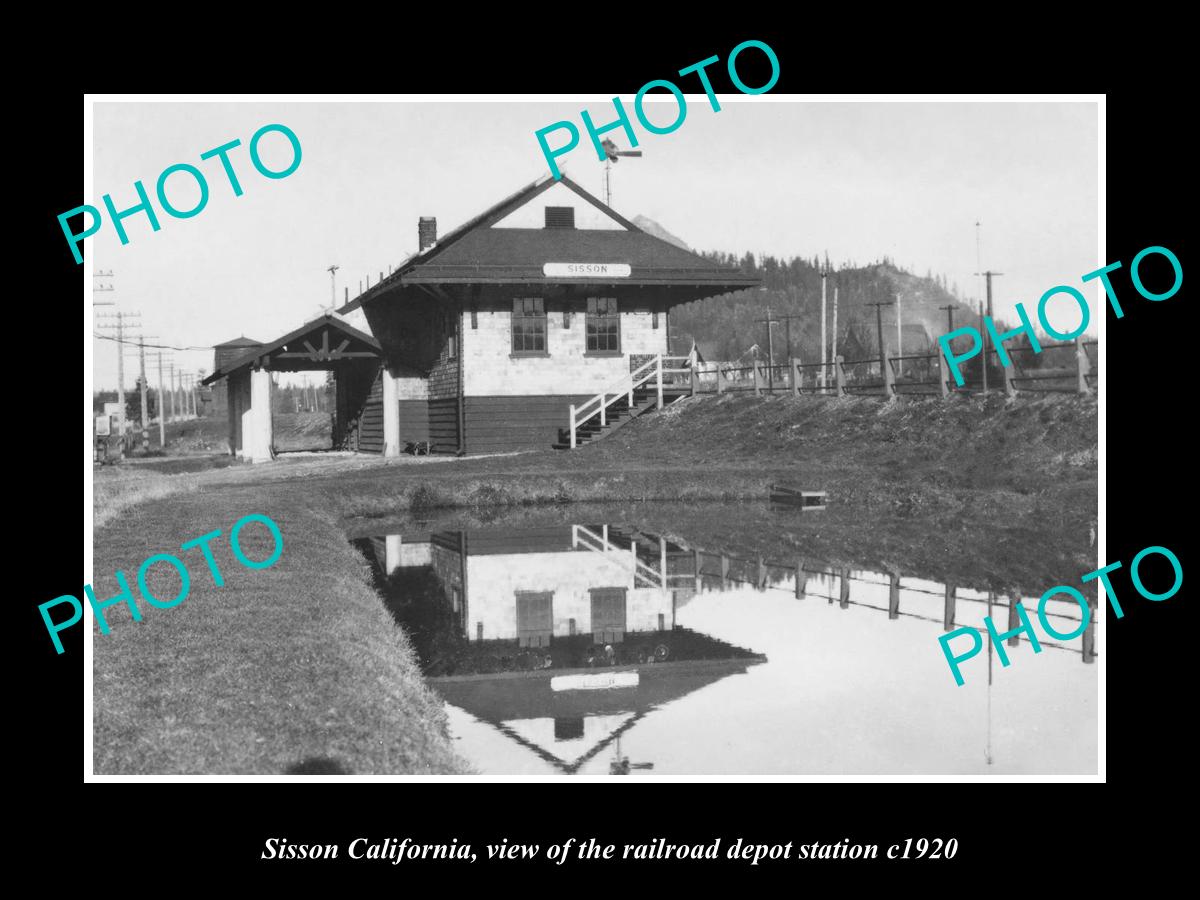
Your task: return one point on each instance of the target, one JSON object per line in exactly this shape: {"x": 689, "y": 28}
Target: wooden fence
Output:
{"x": 1069, "y": 367}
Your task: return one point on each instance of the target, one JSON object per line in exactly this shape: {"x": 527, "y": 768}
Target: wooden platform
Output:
{"x": 790, "y": 496}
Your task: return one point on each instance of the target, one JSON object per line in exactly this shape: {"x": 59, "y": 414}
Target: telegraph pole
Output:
{"x": 989, "y": 275}
{"x": 770, "y": 349}
{"x": 835, "y": 301}
{"x": 787, "y": 320}
{"x": 821, "y": 371}
{"x": 899, "y": 335}
{"x": 120, "y": 329}
{"x": 162, "y": 410}
{"x": 142, "y": 380}
{"x": 144, "y": 389}
{"x": 879, "y": 331}
{"x": 171, "y": 390}
{"x": 949, "y": 308}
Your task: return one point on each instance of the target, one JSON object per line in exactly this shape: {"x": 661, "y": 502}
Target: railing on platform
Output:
{"x": 912, "y": 374}
{"x": 652, "y": 370}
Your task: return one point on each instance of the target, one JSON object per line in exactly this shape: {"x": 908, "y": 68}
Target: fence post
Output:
{"x": 660, "y": 399}
{"x": 840, "y": 374}
{"x": 941, "y": 375}
{"x": 720, "y": 375}
{"x": 795, "y": 377}
{"x": 1083, "y": 365}
{"x": 801, "y": 580}
{"x": 757, "y": 378}
{"x": 1010, "y": 386}
{"x": 1089, "y": 635}
{"x": 889, "y": 385}
{"x": 572, "y": 426}
{"x": 603, "y": 416}
{"x": 694, "y": 379}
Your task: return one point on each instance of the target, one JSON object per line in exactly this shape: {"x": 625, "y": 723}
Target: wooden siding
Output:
{"x": 499, "y": 424}
{"x": 414, "y": 421}
{"x": 443, "y": 425}
{"x": 370, "y": 421}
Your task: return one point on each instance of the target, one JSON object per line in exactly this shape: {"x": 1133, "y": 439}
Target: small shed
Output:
{"x": 327, "y": 343}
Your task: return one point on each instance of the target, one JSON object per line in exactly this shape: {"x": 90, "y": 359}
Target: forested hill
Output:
{"x": 728, "y": 326}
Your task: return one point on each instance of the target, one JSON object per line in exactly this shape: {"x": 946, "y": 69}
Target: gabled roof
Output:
{"x": 242, "y": 341}
{"x": 475, "y": 252}
{"x": 504, "y": 700}
{"x": 304, "y": 336}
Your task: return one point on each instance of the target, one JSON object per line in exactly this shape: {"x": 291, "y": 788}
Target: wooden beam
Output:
{"x": 349, "y": 354}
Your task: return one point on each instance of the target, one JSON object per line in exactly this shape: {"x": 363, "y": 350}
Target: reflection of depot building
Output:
{"x": 548, "y": 583}
{"x": 563, "y": 636}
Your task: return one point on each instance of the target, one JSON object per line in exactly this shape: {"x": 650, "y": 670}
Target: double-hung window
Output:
{"x": 603, "y": 325}
{"x": 529, "y": 325}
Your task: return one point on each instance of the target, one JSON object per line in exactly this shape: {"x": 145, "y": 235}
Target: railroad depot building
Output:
{"x": 485, "y": 338}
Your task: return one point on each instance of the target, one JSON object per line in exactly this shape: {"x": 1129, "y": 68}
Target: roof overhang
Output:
{"x": 316, "y": 345}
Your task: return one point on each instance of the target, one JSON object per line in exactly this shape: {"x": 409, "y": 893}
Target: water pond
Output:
{"x": 610, "y": 646}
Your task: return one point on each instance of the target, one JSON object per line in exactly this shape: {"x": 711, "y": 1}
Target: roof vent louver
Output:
{"x": 560, "y": 217}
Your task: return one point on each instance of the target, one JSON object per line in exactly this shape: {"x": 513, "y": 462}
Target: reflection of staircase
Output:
{"x": 631, "y": 548}
{"x": 650, "y": 386}
{"x": 585, "y": 538}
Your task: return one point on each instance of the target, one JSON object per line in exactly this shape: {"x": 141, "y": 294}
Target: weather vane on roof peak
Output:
{"x": 612, "y": 155}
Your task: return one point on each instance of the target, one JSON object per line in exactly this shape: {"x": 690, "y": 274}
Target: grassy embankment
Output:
{"x": 300, "y": 660}
{"x": 295, "y": 667}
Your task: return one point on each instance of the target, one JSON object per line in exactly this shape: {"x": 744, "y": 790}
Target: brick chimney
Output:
{"x": 426, "y": 232}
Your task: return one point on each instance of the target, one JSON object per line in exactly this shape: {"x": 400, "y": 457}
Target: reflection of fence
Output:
{"x": 1068, "y": 367}
{"x": 652, "y": 560}
{"x": 763, "y": 575}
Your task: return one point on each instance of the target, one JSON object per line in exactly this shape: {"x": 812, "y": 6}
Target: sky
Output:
{"x": 767, "y": 174}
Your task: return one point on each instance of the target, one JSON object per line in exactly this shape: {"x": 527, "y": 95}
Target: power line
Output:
{"x": 107, "y": 337}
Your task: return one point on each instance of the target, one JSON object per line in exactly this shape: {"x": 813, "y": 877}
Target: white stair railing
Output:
{"x": 651, "y": 370}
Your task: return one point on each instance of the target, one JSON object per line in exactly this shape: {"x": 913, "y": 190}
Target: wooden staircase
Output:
{"x": 646, "y": 388}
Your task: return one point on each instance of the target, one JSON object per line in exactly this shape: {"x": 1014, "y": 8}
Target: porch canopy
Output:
{"x": 327, "y": 343}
